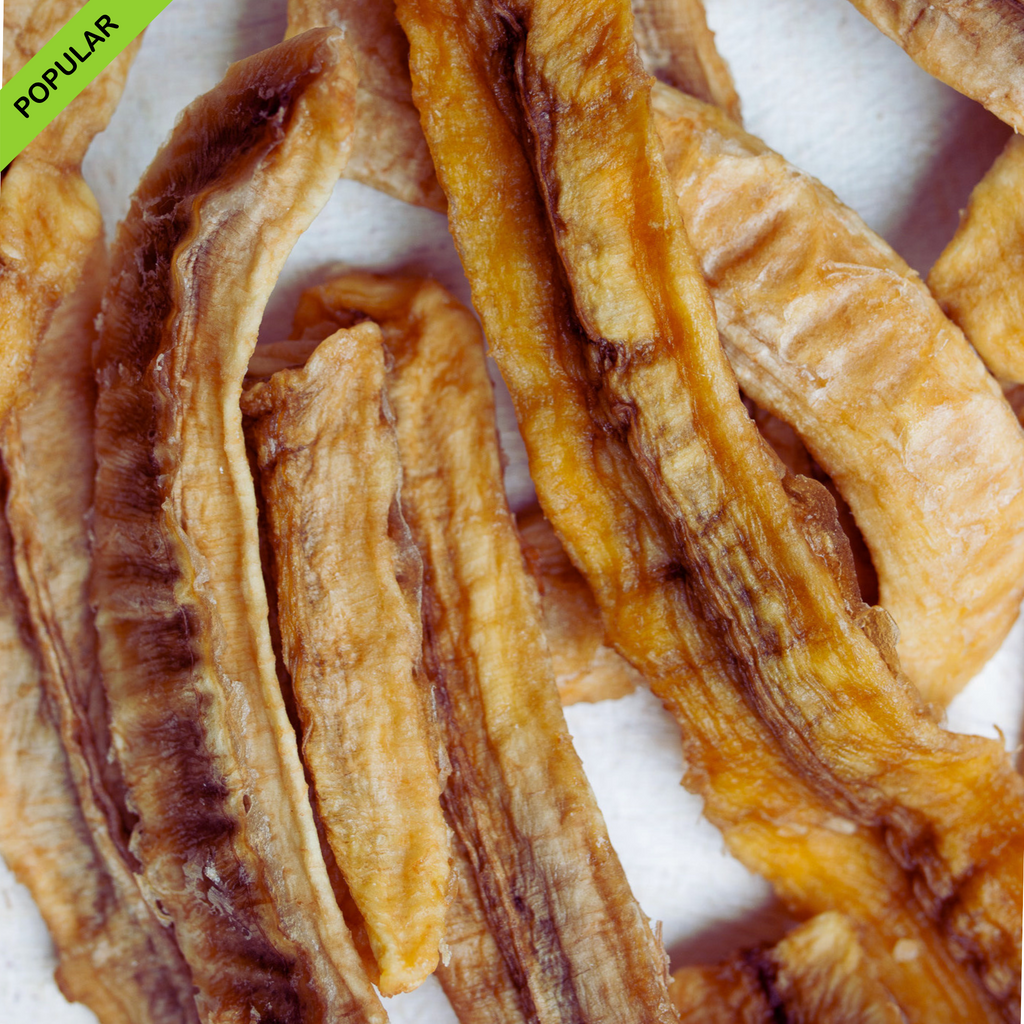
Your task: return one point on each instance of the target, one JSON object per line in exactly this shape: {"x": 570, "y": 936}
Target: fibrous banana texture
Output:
{"x": 49, "y": 218}
{"x": 975, "y": 47}
{"x": 348, "y": 582}
{"x": 818, "y": 974}
{"x": 702, "y": 559}
{"x": 977, "y": 279}
{"x": 556, "y": 907}
{"x": 828, "y": 329}
{"x": 225, "y": 837}
{"x": 103, "y": 959}
{"x": 586, "y": 668}
{"x": 113, "y": 953}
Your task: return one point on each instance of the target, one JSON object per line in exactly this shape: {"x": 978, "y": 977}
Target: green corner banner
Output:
{"x": 66, "y": 65}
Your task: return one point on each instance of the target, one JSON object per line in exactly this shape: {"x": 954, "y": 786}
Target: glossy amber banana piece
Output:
{"x": 977, "y": 279}
{"x": 818, "y": 974}
{"x": 827, "y": 328}
{"x": 347, "y": 580}
{"x": 225, "y": 836}
{"x": 557, "y": 906}
{"x": 115, "y": 955}
{"x": 975, "y": 47}
{"x": 49, "y": 219}
{"x": 651, "y": 472}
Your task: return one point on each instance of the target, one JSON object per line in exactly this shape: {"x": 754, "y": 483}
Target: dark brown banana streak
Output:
{"x": 817, "y": 974}
{"x": 826, "y": 327}
{"x": 225, "y": 836}
{"x": 390, "y": 152}
{"x": 61, "y": 800}
{"x": 649, "y": 467}
{"x": 113, "y": 953}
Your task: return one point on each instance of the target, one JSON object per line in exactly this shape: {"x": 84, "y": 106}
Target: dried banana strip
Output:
{"x": 977, "y": 48}
{"x": 818, "y": 974}
{"x": 827, "y": 328}
{"x": 678, "y": 48}
{"x": 134, "y": 972}
{"x": 347, "y": 579}
{"x": 225, "y": 837}
{"x": 977, "y": 279}
{"x": 723, "y": 568}
{"x": 49, "y": 219}
{"x": 557, "y": 905}
{"x": 586, "y": 668}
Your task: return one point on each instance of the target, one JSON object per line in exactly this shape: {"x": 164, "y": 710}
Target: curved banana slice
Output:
{"x": 225, "y": 837}
{"x": 390, "y": 152}
{"x": 559, "y": 921}
{"x": 60, "y": 829}
{"x": 828, "y": 329}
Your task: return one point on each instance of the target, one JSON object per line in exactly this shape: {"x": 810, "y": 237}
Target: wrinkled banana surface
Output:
{"x": 976, "y": 47}
{"x": 348, "y": 585}
{"x": 390, "y": 152}
{"x": 62, "y": 827}
{"x": 817, "y": 974}
{"x": 977, "y": 279}
{"x": 225, "y": 836}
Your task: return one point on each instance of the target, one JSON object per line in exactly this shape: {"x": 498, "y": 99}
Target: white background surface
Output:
{"x": 822, "y": 87}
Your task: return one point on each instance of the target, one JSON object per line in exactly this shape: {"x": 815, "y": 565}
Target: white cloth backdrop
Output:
{"x": 818, "y": 84}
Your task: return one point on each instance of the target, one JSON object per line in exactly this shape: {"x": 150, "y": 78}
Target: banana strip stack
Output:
{"x": 650, "y": 469}
{"x": 280, "y": 673}
{"x": 543, "y": 926}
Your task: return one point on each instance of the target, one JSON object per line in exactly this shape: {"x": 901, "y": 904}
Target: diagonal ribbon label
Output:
{"x": 66, "y": 65}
